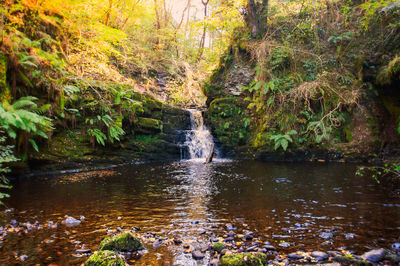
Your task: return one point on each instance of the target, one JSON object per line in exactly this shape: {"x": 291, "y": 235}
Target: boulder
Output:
{"x": 121, "y": 242}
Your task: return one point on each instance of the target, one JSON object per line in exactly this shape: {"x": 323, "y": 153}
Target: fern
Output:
{"x": 25, "y": 115}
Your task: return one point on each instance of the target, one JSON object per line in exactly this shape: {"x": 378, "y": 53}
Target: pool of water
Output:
{"x": 280, "y": 202}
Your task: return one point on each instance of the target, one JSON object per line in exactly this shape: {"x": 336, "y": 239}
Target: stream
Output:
{"x": 293, "y": 203}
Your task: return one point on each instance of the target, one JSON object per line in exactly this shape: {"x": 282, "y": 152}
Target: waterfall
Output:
{"x": 198, "y": 140}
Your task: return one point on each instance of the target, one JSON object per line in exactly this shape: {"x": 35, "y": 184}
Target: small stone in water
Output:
{"x": 177, "y": 241}
{"x": 83, "y": 250}
{"x": 284, "y": 244}
{"x": 23, "y": 257}
{"x": 319, "y": 255}
{"x": 82, "y": 218}
{"x": 349, "y": 236}
{"x": 269, "y": 247}
{"x": 198, "y": 255}
{"x": 119, "y": 218}
{"x": 396, "y": 246}
{"x": 326, "y": 235}
{"x": 295, "y": 256}
{"x": 13, "y": 222}
{"x": 71, "y": 221}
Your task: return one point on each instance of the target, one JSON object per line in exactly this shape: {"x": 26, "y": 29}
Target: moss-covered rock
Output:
{"x": 67, "y": 145}
{"x": 218, "y": 247}
{"x": 121, "y": 242}
{"x": 229, "y": 121}
{"x": 148, "y": 125}
{"x": 105, "y": 258}
{"x": 349, "y": 260}
{"x": 244, "y": 259}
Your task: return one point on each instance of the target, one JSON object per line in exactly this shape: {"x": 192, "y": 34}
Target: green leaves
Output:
{"x": 283, "y": 140}
{"x": 100, "y": 136}
{"x": 24, "y": 115}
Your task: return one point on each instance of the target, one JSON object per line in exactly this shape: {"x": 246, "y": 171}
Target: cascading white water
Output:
{"x": 198, "y": 140}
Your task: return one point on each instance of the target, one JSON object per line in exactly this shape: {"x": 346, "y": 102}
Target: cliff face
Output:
{"x": 322, "y": 93}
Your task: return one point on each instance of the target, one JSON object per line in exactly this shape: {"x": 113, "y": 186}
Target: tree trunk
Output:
{"x": 203, "y": 37}
{"x": 256, "y": 18}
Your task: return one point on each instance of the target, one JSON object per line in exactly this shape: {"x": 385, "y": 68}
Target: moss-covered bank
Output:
{"x": 318, "y": 93}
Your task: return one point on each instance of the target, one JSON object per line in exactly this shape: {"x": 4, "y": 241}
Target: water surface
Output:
{"x": 291, "y": 202}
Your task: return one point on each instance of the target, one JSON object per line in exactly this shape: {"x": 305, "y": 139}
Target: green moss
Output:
{"x": 67, "y": 145}
{"x": 4, "y": 91}
{"x": 148, "y": 125}
{"x": 105, "y": 258}
{"x": 244, "y": 259}
{"x": 3, "y": 71}
{"x": 218, "y": 247}
{"x": 229, "y": 121}
{"x": 389, "y": 73}
{"x": 348, "y": 260}
{"x": 121, "y": 242}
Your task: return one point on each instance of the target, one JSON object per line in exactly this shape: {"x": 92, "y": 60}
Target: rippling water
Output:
{"x": 289, "y": 202}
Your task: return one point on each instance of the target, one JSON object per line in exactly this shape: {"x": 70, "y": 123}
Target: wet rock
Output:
{"x": 231, "y": 234}
{"x": 250, "y": 249}
{"x": 23, "y": 257}
{"x": 334, "y": 253}
{"x": 244, "y": 259}
{"x": 229, "y": 239}
{"x": 8, "y": 211}
{"x": 284, "y": 244}
{"x": 202, "y": 232}
{"x": 198, "y": 255}
{"x": 119, "y": 218}
{"x": 218, "y": 247}
{"x": 214, "y": 239}
{"x": 82, "y": 218}
{"x": 374, "y": 255}
{"x": 269, "y": 247}
{"x": 186, "y": 246}
{"x": 121, "y": 242}
{"x": 295, "y": 256}
{"x": 83, "y": 251}
{"x": 319, "y": 255}
{"x": 326, "y": 235}
{"x": 195, "y": 222}
{"x": 249, "y": 236}
{"x": 71, "y": 221}
{"x": 396, "y": 246}
{"x": 14, "y": 222}
{"x": 177, "y": 241}
{"x": 119, "y": 229}
{"x": 105, "y": 258}
{"x": 229, "y": 226}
